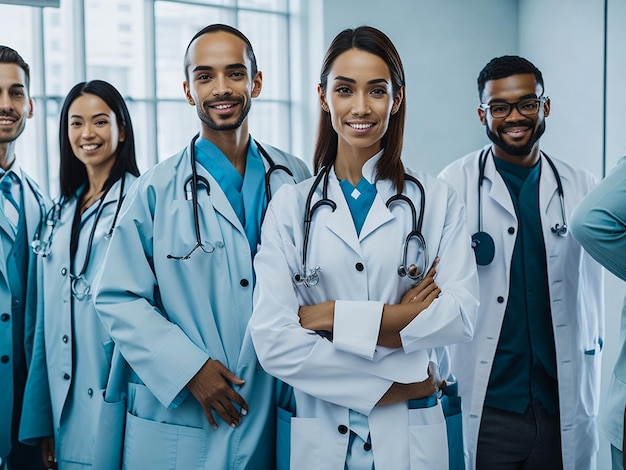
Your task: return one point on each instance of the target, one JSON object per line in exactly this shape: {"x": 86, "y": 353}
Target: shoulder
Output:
{"x": 465, "y": 164}
{"x": 295, "y": 164}
{"x": 578, "y": 176}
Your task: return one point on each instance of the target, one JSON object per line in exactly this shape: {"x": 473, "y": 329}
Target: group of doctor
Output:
{"x": 155, "y": 325}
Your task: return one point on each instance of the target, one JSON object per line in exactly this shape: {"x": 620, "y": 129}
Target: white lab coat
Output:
{"x": 360, "y": 273}
{"x": 72, "y": 351}
{"x": 576, "y": 300}
{"x": 168, "y": 317}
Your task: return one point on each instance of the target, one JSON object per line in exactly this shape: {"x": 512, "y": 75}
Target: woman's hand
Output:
{"x": 398, "y": 392}
{"x": 318, "y": 317}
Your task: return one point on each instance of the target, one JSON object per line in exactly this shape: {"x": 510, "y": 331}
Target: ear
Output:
{"x": 322, "y": 98}
{"x": 188, "y": 94}
{"x": 122, "y": 136}
{"x": 546, "y": 108}
{"x": 31, "y": 108}
{"x": 482, "y": 116}
{"x": 257, "y": 84}
{"x": 397, "y": 101}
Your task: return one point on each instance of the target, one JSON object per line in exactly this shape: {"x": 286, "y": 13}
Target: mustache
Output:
{"x": 4, "y": 113}
{"x": 527, "y": 123}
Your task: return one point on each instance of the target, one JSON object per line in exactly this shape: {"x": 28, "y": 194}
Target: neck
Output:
{"x": 7, "y": 155}
{"x": 349, "y": 163}
{"x": 233, "y": 143}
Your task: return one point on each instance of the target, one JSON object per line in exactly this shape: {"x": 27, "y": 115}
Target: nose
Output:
{"x": 6, "y": 103}
{"x": 87, "y": 131}
{"x": 360, "y": 105}
{"x": 221, "y": 86}
{"x": 515, "y": 115}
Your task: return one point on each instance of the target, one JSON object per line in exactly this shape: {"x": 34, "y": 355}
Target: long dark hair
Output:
{"x": 374, "y": 41}
{"x": 72, "y": 171}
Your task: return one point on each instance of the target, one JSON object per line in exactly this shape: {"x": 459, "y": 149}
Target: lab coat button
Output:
{"x": 244, "y": 283}
{"x": 5, "y": 317}
{"x": 511, "y": 230}
{"x": 359, "y": 267}
{"x": 63, "y": 271}
{"x": 66, "y": 376}
{"x": 500, "y": 299}
{"x": 4, "y": 359}
{"x": 342, "y": 428}
{"x": 65, "y": 338}
{"x": 367, "y": 446}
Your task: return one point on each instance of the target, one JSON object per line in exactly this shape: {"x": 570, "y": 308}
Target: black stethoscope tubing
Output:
{"x": 194, "y": 178}
{"x": 311, "y": 279}
{"x": 482, "y": 242}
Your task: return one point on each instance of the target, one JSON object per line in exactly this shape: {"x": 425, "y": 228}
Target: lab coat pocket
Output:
{"x": 305, "y": 443}
{"x": 150, "y": 444}
{"x": 110, "y": 435}
{"x": 428, "y": 441}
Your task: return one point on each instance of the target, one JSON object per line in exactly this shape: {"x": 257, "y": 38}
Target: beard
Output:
{"x": 204, "y": 116}
{"x": 517, "y": 150}
{"x": 10, "y": 136}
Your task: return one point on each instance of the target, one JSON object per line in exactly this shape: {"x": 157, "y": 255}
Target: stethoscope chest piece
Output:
{"x": 484, "y": 248}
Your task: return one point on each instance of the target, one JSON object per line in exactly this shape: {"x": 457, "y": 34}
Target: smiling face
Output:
{"x": 515, "y": 136}
{"x": 15, "y": 104}
{"x": 360, "y": 100}
{"x": 93, "y": 132}
{"x": 221, "y": 85}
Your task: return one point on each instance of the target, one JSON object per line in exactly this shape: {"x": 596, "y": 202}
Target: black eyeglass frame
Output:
{"x": 524, "y": 112}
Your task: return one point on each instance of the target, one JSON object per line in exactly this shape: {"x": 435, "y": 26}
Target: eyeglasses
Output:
{"x": 527, "y": 107}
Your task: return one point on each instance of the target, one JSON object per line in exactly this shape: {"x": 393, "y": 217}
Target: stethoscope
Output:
{"x": 42, "y": 243}
{"x": 310, "y": 277}
{"x": 482, "y": 243}
{"x": 194, "y": 181}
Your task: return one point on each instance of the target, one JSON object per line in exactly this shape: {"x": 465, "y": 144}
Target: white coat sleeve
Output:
{"x": 451, "y": 317}
{"x": 127, "y": 300}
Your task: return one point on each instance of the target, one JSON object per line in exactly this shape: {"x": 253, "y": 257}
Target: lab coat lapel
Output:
{"x": 379, "y": 213}
{"x": 340, "y": 221}
{"x": 548, "y": 192}
{"x": 495, "y": 187}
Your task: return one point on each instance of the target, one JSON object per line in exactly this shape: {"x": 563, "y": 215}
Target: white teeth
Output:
{"x": 89, "y": 147}
{"x": 223, "y": 106}
{"x": 5, "y": 122}
{"x": 361, "y": 126}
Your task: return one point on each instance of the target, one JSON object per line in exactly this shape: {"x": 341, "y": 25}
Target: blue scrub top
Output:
{"x": 524, "y": 367}
{"x": 359, "y": 199}
{"x": 246, "y": 193}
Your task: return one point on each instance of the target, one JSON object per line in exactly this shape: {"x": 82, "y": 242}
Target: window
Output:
{"x": 138, "y": 46}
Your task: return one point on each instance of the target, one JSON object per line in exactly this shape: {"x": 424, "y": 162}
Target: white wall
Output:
{"x": 444, "y": 44}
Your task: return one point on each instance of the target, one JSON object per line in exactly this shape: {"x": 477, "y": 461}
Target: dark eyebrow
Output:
{"x": 92, "y": 117}
{"x": 208, "y": 68}
{"x": 351, "y": 80}
{"x": 521, "y": 98}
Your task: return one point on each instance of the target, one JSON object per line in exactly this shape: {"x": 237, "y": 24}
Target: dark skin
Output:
{"x": 320, "y": 317}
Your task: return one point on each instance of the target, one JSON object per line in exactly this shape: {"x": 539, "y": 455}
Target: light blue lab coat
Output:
{"x": 168, "y": 317}
{"x": 34, "y": 205}
{"x": 72, "y": 351}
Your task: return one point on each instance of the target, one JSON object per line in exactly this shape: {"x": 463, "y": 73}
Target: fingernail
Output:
{"x": 244, "y": 412}
{"x": 214, "y": 426}
{"x": 233, "y": 425}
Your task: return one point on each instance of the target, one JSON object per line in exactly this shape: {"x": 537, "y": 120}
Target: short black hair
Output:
{"x": 214, "y": 28}
{"x": 505, "y": 66}
{"x": 11, "y": 56}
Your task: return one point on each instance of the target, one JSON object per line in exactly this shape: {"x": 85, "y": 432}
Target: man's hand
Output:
{"x": 318, "y": 317}
{"x": 46, "y": 444}
{"x": 211, "y": 386}
{"x": 402, "y": 392}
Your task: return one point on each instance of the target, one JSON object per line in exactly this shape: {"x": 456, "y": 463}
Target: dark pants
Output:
{"x": 23, "y": 457}
{"x": 513, "y": 441}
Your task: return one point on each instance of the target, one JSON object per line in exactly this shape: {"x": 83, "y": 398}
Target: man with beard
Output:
{"x": 21, "y": 205}
{"x": 530, "y": 377}
{"x": 176, "y": 286}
